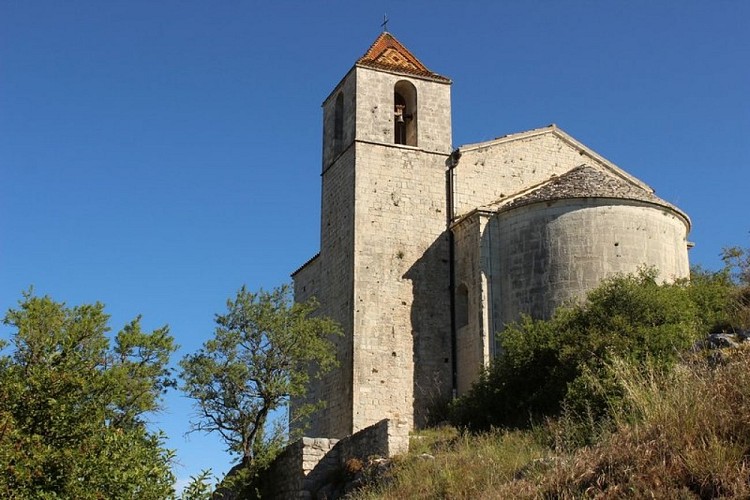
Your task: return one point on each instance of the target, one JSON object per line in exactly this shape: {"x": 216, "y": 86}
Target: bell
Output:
{"x": 400, "y": 113}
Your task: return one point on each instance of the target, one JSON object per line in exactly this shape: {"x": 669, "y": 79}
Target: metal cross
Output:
{"x": 385, "y": 22}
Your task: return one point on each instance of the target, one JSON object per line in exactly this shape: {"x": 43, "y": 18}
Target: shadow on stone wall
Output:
{"x": 431, "y": 332}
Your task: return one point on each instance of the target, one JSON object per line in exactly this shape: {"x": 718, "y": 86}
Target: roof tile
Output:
{"x": 389, "y": 54}
{"x": 587, "y": 182}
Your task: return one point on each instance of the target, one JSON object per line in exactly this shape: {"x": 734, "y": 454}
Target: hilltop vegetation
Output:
{"x": 684, "y": 433}
{"x": 610, "y": 398}
{"x": 548, "y": 366}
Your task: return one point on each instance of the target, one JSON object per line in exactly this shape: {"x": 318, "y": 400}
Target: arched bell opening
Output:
{"x": 405, "y": 113}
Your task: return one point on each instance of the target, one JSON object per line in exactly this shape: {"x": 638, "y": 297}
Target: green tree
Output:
{"x": 737, "y": 261}
{"x": 72, "y": 408}
{"x": 737, "y": 265}
{"x": 546, "y": 365}
{"x": 199, "y": 487}
{"x": 265, "y": 350}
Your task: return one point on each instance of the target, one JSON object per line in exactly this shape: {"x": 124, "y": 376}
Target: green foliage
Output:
{"x": 683, "y": 432}
{"x": 72, "y": 407}
{"x": 737, "y": 261}
{"x": 559, "y": 363}
{"x": 737, "y": 266}
{"x": 447, "y": 464}
{"x": 199, "y": 487}
{"x": 712, "y": 293}
{"x": 265, "y": 350}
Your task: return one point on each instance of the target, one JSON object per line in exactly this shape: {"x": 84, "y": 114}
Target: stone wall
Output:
{"x": 375, "y": 106}
{"x": 293, "y": 474}
{"x": 307, "y": 280}
{"x": 335, "y": 291}
{"x": 490, "y": 171}
{"x": 537, "y": 257}
{"x": 306, "y": 286}
{"x": 401, "y": 296}
{"x": 333, "y": 147}
{"x": 383, "y": 270}
{"x": 401, "y": 272}
{"x": 310, "y": 466}
{"x": 549, "y": 253}
{"x": 474, "y": 337}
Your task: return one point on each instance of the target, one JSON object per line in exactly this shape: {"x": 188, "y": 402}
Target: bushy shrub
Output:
{"x": 714, "y": 294}
{"x": 737, "y": 268}
{"x": 548, "y": 365}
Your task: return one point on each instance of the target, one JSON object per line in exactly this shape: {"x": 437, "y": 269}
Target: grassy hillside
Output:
{"x": 682, "y": 432}
{"x": 610, "y": 398}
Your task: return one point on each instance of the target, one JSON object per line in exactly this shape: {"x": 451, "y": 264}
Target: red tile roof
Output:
{"x": 387, "y": 53}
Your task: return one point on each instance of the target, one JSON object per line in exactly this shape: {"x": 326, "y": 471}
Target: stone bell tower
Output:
{"x": 383, "y": 267}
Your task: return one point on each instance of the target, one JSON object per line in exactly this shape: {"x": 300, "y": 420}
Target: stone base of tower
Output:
{"x": 311, "y": 466}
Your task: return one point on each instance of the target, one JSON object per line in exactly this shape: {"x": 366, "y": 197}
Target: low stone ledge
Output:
{"x": 311, "y": 465}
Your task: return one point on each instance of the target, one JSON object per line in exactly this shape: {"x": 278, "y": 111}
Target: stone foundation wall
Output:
{"x": 311, "y": 465}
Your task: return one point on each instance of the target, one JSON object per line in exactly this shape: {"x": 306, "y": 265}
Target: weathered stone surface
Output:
{"x": 546, "y": 254}
{"x": 519, "y": 224}
{"x": 317, "y": 468}
{"x": 588, "y": 182}
{"x": 503, "y": 168}
{"x": 383, "y": 270}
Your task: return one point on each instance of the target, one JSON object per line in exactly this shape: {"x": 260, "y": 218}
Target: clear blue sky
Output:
{"x": 155, "y": 156}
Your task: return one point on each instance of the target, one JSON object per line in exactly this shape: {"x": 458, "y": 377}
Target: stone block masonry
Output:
{"x": 427, "y": 252}
{"x": 309, "y": 465}
{"x": 383, "y": 268}
{"x": 401, "y": 272}
{"x": 498, "y": 169}
{"x": 548, "y": 254}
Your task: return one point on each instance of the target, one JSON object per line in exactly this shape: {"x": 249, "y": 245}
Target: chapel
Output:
{"x": 428, "y": 250}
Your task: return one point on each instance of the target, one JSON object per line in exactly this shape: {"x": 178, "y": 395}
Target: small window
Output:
{"x": 462, "y": 306}
{"x": 338, "y": 119}
{"x": 405, "y": 113}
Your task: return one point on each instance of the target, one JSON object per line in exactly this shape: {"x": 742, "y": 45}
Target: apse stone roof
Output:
{"x": 586, "y": 182}
{"x": 389, "y": 54}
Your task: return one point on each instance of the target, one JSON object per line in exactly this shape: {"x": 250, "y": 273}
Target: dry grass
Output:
{"x": 685, "y": 434}
{"x": 446, "y": 464}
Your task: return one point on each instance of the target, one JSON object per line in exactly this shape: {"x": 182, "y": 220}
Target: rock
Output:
{"x": 722, "y": 340}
